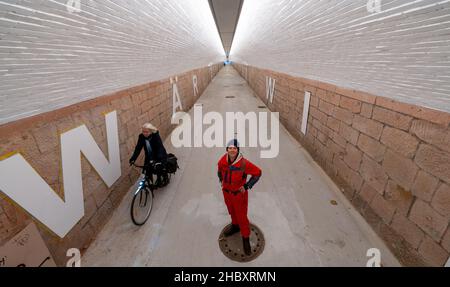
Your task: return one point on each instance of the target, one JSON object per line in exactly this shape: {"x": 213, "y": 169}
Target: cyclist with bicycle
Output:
{"x": 155, "y": 153}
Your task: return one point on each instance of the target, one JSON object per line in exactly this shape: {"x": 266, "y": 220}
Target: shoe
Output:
{"x": 166, "y": 180}
{"x": 247, "y": 247}
{"x": 232, "y": 230}
{"x": 161, "y": 181}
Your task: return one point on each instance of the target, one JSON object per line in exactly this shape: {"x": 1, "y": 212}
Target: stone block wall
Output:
{"x": 390, "y": 159}
{"x": 37, "y": 139}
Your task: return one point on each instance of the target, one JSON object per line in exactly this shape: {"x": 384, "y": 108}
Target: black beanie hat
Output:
{"x": 234, "y": 143}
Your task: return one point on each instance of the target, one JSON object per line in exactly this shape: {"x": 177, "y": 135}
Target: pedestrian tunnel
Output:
{"x": 342, "y": 105}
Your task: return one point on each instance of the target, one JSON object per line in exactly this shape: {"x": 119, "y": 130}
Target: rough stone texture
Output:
{"x": 353, "y": 157}
{"x": 374, "y": 174}
{"x": 433, "y": 253}
{"x": 446, "y": 240}
{"x": 367, "y": 193}
{"x": 45, "y": 138}
{"x": 366, "y": 110}
{"x": 349, "y": 134}
{"x": 401, "y": 166}
{"x": 429, "y": 220}
{"x": 392, "y": 118}
{"x": 441, "y": 200}
{"x": 383, "y": 208}
{"x": 338, "y": 150}
{"x": 434, "y": 161}
{"x": 343, "y": 115}
{"x": 369, "y": 127}
{"x": 371, "y": 147}
{"x": 401, "y": 169}
{"x": 399, "y": 197}
{"x": 424, "y": 186}
{"x": 328, "y": 96}
{"x": 418, "y": 112}
{"x": 320, "y": 116}
{"x": 23, "y": 142}
{"x": 37, "y": 139}
{"x": 352, "y": 105}
{"x": 399, "y": 141}
{"x": 326, "y": 107}
{"x": 333, "y": 124}
{"x": 408, "y": 230}
{"x": 432, "y": 133}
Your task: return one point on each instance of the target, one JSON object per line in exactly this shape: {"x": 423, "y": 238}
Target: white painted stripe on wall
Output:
{"x": 306, "y": 105}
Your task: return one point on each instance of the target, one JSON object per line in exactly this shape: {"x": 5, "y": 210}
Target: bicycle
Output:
{"x": 144, "y": 194}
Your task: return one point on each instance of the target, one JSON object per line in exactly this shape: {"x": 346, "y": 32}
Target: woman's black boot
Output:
{"x": 247, "y": 247}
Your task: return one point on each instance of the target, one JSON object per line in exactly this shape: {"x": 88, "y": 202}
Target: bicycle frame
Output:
{"x": 145, "y": 192}
{"x": 146, "y": 182}
{"x": 142, "y": 185}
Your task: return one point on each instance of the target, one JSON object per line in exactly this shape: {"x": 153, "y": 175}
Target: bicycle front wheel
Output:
{"x": 141, "y": 206}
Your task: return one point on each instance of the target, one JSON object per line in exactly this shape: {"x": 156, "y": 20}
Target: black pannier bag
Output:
{"x": 172, "y": 163}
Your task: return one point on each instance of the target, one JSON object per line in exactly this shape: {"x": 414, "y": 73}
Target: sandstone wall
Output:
{"x": 392, "y": 160}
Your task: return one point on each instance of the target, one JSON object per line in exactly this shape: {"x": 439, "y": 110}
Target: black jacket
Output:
{"x": 157, "y": 153}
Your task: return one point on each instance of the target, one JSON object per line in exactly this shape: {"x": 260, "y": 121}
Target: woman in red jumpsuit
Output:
{"x": 233, "y": 170}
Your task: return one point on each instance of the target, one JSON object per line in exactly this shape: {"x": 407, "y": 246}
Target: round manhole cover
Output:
{"x": 232, "y": 247}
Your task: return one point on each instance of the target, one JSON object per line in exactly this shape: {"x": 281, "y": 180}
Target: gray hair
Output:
{"x": 149, "y": 126}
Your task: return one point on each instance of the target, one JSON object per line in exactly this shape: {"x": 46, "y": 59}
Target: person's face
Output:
{"x": 232, "y": 151}
{"x": 146, "y": 132}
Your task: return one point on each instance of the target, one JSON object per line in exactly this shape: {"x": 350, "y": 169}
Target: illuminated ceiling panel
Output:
{"x": 226, "y": 13}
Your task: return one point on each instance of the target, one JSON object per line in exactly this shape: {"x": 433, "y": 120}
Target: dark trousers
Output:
{"x": 158, "y": 169}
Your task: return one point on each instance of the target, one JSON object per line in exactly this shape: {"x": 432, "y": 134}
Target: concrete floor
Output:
{"x": 291, "y": 204}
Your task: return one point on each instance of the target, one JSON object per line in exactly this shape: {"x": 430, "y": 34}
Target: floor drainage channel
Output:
{"x": 232, "y": 247}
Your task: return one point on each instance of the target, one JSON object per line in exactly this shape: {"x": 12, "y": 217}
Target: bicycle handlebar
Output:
{"x": 144, "y": 166}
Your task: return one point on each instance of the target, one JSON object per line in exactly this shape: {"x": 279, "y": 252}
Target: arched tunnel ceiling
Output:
{"x": 50, "y": 57}
{"x": 226, "y": 14}
{"x": 402, "y": 52}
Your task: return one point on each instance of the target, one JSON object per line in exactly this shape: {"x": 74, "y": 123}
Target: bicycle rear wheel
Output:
{"x": 141, "y": 206}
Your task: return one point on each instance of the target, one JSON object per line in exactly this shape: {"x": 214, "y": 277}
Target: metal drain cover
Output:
{"x": 232, "y": 247}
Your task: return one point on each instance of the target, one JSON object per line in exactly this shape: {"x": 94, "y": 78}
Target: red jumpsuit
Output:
{"x": 234, "y": 176}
